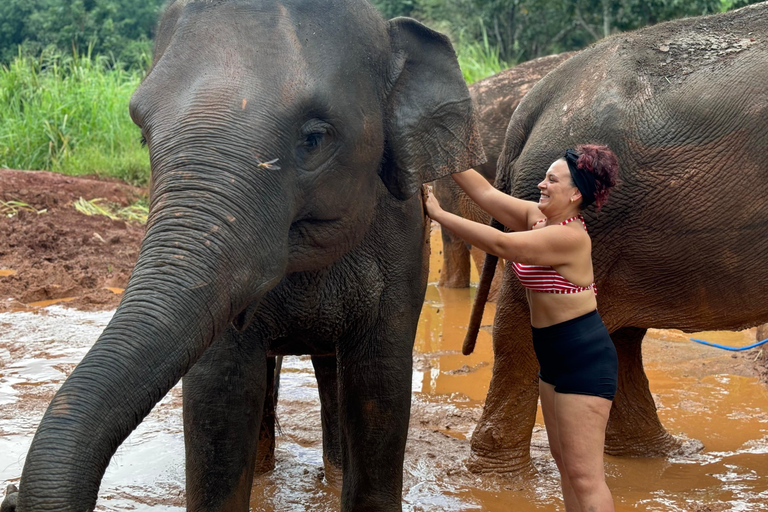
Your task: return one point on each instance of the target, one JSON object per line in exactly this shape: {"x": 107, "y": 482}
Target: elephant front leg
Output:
{"x": 501, "y": 442}
{"x": 223, "y": 401}
{"x": 634, "y": 428}
{"x": 374, "y": 396}
{"x": 328, "y": 388}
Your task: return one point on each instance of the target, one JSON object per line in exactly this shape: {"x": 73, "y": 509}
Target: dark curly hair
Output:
{"x": 604, "y": 166}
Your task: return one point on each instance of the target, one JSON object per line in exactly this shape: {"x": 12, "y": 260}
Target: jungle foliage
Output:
{"x": 521, "y": 30}
{"x": 120, "y": 30}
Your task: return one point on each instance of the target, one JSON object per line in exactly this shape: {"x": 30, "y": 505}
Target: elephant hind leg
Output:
{"x": 265, "y": 454}
{"x": 224, "y": 396}
{"x": 634, "y": 428}
{"x": 456, "y": 266}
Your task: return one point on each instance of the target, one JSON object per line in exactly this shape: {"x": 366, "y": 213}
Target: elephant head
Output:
{"x": 271, "y": 127}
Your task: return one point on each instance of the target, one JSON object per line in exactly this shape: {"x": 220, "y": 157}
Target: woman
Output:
{"x": 551, "y": 253}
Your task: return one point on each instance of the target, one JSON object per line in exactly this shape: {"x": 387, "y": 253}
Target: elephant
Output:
{"x": 680, "y": 244}
{"x": 495, "y": 99}
{"x": 288, "y": 145}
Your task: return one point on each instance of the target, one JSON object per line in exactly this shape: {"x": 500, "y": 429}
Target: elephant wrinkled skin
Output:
{"x": 288, "y": 146}
{"x": 682, "y": 242}
{"x": 495, "y": 99}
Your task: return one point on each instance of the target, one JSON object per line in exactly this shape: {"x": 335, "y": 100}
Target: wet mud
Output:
{"x": 702, "y": 394}
{"x": 50, "y": 252}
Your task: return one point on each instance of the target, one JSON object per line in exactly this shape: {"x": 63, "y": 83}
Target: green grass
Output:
{"x": 478, "y": 59}
{"x": 70, "y": 115}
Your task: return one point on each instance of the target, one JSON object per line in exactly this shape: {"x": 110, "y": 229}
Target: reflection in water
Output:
{"x": 51, "y": 302}
{"x": 698, "y": 391}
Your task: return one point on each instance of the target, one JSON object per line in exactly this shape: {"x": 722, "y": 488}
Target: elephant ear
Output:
{"x": 430, "y": 124}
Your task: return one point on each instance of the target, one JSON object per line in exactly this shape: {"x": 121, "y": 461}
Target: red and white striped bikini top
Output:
{"x": 542, "y": 278}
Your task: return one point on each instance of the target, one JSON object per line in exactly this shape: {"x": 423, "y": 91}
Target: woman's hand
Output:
{"x": 431, "y": 205}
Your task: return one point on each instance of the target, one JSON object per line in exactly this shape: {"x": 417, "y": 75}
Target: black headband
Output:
{"x": 583, "y": 179}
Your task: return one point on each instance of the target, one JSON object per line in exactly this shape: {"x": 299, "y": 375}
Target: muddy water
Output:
{"x": 702, "y": 393}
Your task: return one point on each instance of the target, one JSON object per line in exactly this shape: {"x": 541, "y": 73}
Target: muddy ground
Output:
{"x": 63, "y": 254}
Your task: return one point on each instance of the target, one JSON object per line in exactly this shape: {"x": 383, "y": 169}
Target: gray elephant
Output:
{"x": 682, "y": 242}
{"x": 288, "y": 143}
{"x": 495, "y": 99}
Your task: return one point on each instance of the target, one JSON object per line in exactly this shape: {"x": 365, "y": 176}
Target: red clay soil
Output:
{"x": 63, "y": 253}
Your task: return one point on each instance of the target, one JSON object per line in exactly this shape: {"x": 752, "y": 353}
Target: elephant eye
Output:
{"x": 313, "y": 140}
{"x": 314, "y": 134}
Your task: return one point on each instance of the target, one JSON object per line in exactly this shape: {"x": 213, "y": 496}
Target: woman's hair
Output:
{"x": 603, "y": 165}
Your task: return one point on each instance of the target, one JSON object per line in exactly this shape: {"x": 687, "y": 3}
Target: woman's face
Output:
{"x": 557, "y": 189}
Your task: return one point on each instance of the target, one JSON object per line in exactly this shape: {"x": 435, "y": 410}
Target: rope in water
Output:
{"x": 725, "y": 347}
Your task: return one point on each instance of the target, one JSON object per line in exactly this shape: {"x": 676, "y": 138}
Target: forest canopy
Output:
{"x": 509, "y": 31}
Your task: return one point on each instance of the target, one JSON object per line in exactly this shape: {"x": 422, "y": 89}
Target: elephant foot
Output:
{"x": 506, "y": 463}
{"x": 265, "y": 451}
{"x": 264, "y": 464}
{"x": 453, "y": 281}
{"x": 333, "y": 474}
{"x": 662, "y": 445}
{"x": 492, "y": 452}
{"x": 10, "y": 500}
{"x": 762, "y": 332}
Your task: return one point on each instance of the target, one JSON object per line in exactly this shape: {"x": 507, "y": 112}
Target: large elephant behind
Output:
{"x": 495, "y": 99}
{"x": 288, "y": 142}
{"x": 681, "y": 243}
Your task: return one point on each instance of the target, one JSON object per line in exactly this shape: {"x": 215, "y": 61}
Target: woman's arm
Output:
{"x": 514, "y": 213}
{"x": 553, "y": 245}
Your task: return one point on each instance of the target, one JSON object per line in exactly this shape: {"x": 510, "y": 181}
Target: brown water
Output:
{"x": 702, "y": 393}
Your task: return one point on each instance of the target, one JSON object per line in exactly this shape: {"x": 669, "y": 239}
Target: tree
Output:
{"x": 121, "y": 29}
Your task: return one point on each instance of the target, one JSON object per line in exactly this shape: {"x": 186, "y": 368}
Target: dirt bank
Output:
{"x": 62, "y": 253}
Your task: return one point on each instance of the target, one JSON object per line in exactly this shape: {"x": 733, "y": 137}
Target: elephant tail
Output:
{"x": 481, "y": 297}
{"x": 275, "y": 391}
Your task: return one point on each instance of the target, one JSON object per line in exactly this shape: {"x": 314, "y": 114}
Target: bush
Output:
{"x": 70, "y": 115}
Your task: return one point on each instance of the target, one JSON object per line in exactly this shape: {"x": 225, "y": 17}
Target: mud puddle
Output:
{"x": 702, "y": 393}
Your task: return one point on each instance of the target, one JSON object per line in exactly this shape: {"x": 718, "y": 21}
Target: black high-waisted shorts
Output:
{"x": 578, "y": 356}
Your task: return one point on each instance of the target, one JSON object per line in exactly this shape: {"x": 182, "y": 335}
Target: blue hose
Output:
{"x": 733, "y": 349}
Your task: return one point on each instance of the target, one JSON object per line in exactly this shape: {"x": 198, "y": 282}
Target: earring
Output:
{"x": 571, "y": 199}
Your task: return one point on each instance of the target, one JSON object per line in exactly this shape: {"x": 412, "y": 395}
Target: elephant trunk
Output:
{"x": 187, "y": 286}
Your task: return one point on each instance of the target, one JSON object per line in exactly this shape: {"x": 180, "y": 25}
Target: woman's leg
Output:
{"x": 547, "y": 395}
{"x": 581, "y": 421}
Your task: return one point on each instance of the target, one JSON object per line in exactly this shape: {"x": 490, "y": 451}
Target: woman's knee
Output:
{"x": 584, "y": 482}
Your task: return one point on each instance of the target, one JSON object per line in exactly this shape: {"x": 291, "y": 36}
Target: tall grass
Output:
{"x": 478, "y": 59}
{"x": 70, "y": 115}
